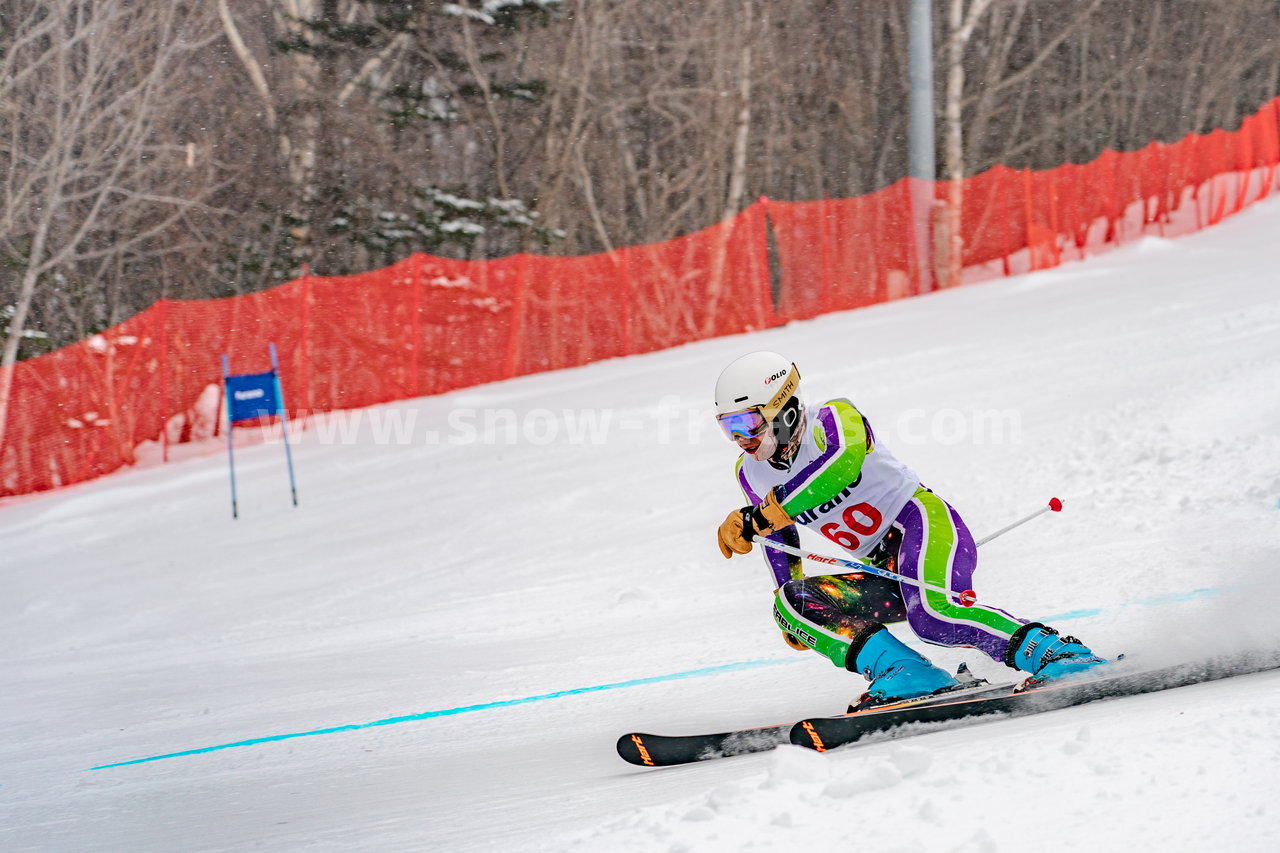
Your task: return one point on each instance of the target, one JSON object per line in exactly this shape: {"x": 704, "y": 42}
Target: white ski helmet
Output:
{"x": 758, "y": 396}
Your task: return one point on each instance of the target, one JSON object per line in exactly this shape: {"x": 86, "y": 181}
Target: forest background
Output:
{"x": 188, "y": 150}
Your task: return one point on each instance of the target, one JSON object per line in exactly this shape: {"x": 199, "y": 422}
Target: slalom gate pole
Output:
{"x": 1055, "y": 505}
{"x": 284, "y": 423}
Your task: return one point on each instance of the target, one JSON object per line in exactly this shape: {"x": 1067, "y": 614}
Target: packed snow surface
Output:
{"x": 506, "y": 578}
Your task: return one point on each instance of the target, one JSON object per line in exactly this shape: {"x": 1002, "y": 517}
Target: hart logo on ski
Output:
{"x": 644, "y": 753}
{"x": 814, "y": 740}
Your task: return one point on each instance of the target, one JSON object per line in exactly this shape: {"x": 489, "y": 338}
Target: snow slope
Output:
{"x": 500, "y": 609}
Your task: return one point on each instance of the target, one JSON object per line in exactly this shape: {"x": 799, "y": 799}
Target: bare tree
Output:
{"x": 960, "y": 27}
{"x": 737, "y": 182}
{"x": 85, "y": 86}
{"x": 350, "y": 133}
{"x": 299, "y": 76}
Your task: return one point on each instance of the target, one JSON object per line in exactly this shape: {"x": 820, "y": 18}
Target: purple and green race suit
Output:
{"x": 851, "y": 489}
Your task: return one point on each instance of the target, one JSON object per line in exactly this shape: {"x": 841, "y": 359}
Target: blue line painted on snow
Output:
{"x": 1158, "y": 601}
{"x": 1189, "y": 595}
{"x": 1171, "y": 598}
{"x": 1074, "y": 614}
{"x": 465, "y": 709}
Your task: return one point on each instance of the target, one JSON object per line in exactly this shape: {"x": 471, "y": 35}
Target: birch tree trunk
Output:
{"x": 737, "y": 169}
{"x": 960, "y": 27}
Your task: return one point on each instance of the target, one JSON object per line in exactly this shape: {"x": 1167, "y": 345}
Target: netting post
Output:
{"x": 766, "y": 271}
{"x": 1268, "y": 114}
{"x": 231, "y": 449}
{"x": 517, "y": 316}
{"x": 416, "y": 384}
{"x": 622, "y": 258}
{"x": 164, "y": 378}
{"x": 1166, "y": 201}
{"x": 1054, "y": 220}
{"x": 1026, "y": 196}
{"x": 304, "y": 348}
{"x": 1006, "y": 215}
{"x": 828, "y": 246}
{"x": 1244, "y": 163}
{"x": 1213, "y": 192}
{"x": 1273, "y": 133}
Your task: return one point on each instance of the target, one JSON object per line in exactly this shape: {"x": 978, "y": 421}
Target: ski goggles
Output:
{"x": 748, "y": 423}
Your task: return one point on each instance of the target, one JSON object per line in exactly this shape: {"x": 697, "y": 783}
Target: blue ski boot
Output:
{"x": 1037, "y": 649}
{"x": 896, "y": 672}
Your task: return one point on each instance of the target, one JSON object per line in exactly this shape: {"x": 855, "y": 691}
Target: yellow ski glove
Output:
{"x": 743, "y": 525}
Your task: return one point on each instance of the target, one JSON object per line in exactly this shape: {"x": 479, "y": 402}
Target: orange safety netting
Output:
{"x": 427, "y": 325}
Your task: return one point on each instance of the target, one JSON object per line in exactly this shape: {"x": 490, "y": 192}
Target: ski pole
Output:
{"x": 966, "y": 597}
{"x": 1055, "y": 505}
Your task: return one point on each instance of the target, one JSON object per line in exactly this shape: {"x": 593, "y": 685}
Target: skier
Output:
{"x": 822, "y": 467}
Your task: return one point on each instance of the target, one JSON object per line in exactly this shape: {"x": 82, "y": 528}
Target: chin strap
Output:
{"x": 784, "y": 455}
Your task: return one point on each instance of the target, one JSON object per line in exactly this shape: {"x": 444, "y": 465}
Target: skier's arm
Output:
{"x": 843, "y": 440}
{"x": 783, "y": 567}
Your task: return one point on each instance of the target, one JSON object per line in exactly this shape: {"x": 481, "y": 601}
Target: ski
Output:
{"x": 647, "y": 750}
{"x": 650, "y": 750}
{"x": 824, "y": 733}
